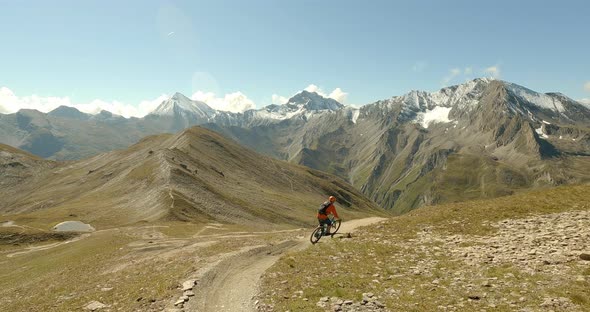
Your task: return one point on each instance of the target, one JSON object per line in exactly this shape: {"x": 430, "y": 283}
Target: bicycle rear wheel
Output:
{"x": 316, "y": 235}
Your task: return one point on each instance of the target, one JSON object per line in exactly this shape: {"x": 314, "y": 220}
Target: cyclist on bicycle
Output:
{"x": 325, "y": 209}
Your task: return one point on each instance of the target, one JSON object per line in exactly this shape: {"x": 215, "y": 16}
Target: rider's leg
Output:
{"x": 325, "y": 224}
{"x": 328, "y": 226}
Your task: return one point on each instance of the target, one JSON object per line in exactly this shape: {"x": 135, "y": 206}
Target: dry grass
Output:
{"x": 136, "y": 268}
{"x": 410, "y": 274}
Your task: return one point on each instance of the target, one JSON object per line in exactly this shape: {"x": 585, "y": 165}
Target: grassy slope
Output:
{"x": 179, "y": 177}
{"x": 386, "y": 262}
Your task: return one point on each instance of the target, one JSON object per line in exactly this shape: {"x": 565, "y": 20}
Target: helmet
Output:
{"x": 332, "y": 199}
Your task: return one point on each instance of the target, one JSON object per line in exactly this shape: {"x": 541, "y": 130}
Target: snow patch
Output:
{"x": 546, "y": 122}
{"x": 280, "y": 114}
{"x": 537, "y": 99}
{"x": 437, "y": 114}
{"x": 541, "y": 133}
{"x": 355, "y": 115}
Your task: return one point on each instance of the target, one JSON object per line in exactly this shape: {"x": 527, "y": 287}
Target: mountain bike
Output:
{"x": 322, "y": 230}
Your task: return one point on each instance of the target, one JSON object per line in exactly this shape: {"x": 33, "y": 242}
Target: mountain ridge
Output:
{"x": 195, "y": 175}
{"x": 397, "y": 151}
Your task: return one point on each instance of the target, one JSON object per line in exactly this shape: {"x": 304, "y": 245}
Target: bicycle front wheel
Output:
{"x": 316, "y": 235}
{"x": 335, "y": 226}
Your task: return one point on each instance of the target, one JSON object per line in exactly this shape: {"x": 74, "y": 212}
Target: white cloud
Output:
{"x": 585, "y": 101}
{"x": 11, "y": 103}
{"x": 493, "y": 71}
{"x": 231, "y": 102}
{"x": 277, "y": 99}
{"x": 468, "y": 71}
{"x": 314, "y": 88}
{"x": 587, "y": 86}
{"x": 336, "y": 94}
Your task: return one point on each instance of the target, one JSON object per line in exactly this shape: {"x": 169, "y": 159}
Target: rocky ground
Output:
{"x": 537, "y": 263}
{"x": 528, "y": 261}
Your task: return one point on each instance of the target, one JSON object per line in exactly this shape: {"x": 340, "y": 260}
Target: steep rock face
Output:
{"x": 398, "y": 150}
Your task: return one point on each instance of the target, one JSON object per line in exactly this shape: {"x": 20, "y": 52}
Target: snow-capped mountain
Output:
{"x": 304, "y": 103}
{"x": 402, "y": 152}
{"x": 447, "y": 105}
{"x": 179, "y": 104}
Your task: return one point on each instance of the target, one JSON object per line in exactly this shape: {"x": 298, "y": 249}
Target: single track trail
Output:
{"x": 231, "y": 283}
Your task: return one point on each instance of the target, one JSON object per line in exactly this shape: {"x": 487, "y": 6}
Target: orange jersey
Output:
{"x": 330, "y": 210}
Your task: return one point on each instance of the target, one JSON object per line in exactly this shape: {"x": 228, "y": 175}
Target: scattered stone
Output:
{"x": 188, "y": 285}
{"x": 189, "y": 293}
{"x": 474, "y": 297}
{"x": 179, "y": 302}
{"x": 95, "y": 305}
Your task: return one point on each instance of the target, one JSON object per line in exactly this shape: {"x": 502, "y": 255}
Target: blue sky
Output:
{"x": 126, "y": 52}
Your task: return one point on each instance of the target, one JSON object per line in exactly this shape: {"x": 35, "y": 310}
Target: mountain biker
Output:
{"x": 327, "y": 208}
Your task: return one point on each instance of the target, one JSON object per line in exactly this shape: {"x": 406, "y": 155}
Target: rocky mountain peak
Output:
{"x": 313, "y": 101}
{"x": 179, "y": 97}
{"x": 68, "y": 112}
{"x": 180, "y": 104}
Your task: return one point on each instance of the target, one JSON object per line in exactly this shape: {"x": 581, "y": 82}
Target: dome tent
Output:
{"x": 73, "y": 226}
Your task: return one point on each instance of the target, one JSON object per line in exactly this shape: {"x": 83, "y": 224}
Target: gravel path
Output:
{"x": 231, "y": 284}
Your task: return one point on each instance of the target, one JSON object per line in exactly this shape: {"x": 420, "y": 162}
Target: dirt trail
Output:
{"x": 45, "y": 247}
{"x": 231, "y": 284}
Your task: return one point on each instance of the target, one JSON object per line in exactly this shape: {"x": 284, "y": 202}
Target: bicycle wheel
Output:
{"x": 335, "y": 227}
{"x": 316, "y": 235}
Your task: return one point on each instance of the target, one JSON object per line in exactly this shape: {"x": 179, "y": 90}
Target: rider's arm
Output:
{"x": 332, "y": 210}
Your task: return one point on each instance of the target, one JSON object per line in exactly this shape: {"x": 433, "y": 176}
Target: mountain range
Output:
{"x": 483, "y": 138}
